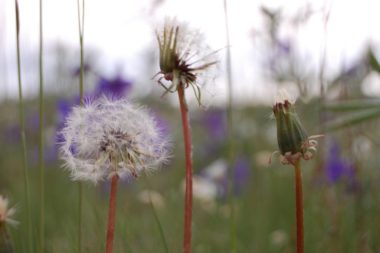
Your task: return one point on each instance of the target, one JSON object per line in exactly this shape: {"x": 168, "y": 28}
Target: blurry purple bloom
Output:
{"x": 338, "y": 168}
{"x": 283, "y": 47}
{"x": 64, "y": 107}
{"x": 215, "y": 123}
{"x": 33, "y": 121}
{"x": 12, "y": 133}
{"x": 241, "y": 174}
{"x": 115, "y": 88}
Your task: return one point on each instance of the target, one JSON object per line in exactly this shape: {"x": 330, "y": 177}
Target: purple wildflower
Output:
{"x": 215, "y": 123}
{"x": 241, "y": 174}
{"x": 338, "y": 168}
{"x": 117, "y": 87}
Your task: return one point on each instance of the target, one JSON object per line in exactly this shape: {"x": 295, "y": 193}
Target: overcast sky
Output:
{"x": 122, "y": 31}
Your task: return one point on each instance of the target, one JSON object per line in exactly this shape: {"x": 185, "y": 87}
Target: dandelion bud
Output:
{"x": 293, "y": 141}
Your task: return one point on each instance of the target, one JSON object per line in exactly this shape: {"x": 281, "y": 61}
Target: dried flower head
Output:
{"x": 184, "y": 57}
{"x": 106, "y": 136}
{"x": 293, "y": 141}
{"x": 6, "y": 213}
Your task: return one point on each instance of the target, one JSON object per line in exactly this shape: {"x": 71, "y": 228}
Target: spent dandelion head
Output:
{"x": 185, "y": 59}
{"x": 293, "y": 141}
{"x": 107, "y": 137}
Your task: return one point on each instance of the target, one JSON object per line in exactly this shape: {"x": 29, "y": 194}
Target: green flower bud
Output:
{"x": 293, "y": 141}
{"x": 290, "y": 133}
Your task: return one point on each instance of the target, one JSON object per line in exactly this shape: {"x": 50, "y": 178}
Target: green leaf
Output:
{"x": 373, "y": 62}
{"x": 352, "y": 119}
{"x": 352, "y": 105}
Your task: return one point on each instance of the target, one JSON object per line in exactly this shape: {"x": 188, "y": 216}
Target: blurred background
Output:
{"x": 324, "y": 53}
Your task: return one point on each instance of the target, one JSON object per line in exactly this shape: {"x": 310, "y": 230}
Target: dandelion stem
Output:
{"x": 41, "y": 139}
{"x": 81, "y": 88}
{"x": 299, "y": 207}
{"x": 22, "y": 132}
{"x": 189, "y": 169}
{"x": 111, "y": 214}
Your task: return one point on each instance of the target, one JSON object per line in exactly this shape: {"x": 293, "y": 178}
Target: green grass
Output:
{"x": 335, "y": 219}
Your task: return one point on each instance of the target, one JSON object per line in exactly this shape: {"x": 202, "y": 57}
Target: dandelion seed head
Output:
{"x": 107, "y": 137}
{"x": 185, "y": 58}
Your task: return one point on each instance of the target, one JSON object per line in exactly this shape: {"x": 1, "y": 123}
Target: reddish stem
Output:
{"x": 111, "y": 214}
{"x": 299, "y": 207}
{"x": 189, "y": 170}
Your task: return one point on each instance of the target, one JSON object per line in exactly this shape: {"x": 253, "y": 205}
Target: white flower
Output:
{"x": 6, "y": 213}
{"x": 147, "y": 197}
{"x": 105, "y": 137}
{"x": 184, "y": 57}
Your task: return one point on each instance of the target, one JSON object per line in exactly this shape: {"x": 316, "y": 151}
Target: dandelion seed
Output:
{"x": 184, "y": 57}
{"x": 111, "y": 137}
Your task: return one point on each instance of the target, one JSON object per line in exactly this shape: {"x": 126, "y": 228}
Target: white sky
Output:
{"x": 122, "y": 31}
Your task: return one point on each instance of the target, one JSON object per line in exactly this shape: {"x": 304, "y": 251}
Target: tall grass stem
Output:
{"x": 231, "y": 139}
{"x": 189, "y": 169}
{"x": 22, "y": 133}
{"x": 157, "y": 219}
{"x": 81, "y": 98}
{"x": 41, "y": 136}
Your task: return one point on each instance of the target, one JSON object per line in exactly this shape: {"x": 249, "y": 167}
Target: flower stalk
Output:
{"x": 184, "y": 61}
{"x": 294, "y": 144}
{"x": 111, "y": 214}
{"x": 299, "y": 207}
{"x": 189, "y": 170}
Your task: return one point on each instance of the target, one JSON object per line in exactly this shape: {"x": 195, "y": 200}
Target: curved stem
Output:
{"x": 299, "y": 207}
{"x": 189, "y": 170}
{"x": 111, "y": 214}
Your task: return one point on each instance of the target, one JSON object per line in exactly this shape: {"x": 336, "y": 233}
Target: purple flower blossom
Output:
{"x": 215, "y": 123}
{"x": 241, "y": 174}
{"x": 12, "y": 133}
{"x": 115, "y": 88}
{"x": 338, "y": 168}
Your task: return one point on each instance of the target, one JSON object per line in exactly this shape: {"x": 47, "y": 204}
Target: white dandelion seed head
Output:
{"x": 107, "y": 137}
{"x": 6, "y": 213}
